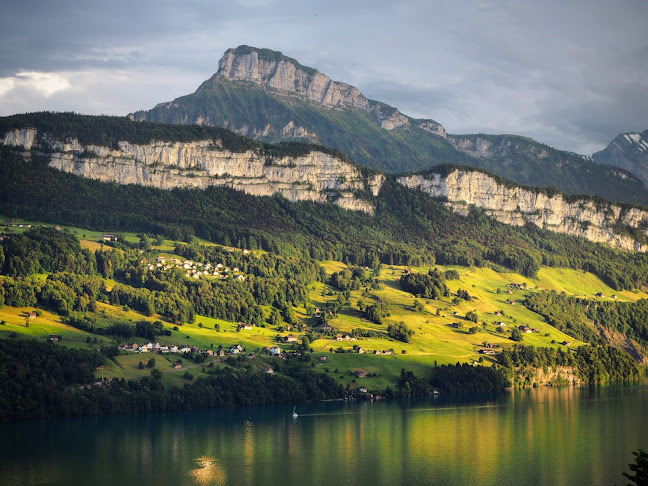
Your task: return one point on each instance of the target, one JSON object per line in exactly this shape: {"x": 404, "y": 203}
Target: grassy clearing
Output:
{"x": 41, "y": 327}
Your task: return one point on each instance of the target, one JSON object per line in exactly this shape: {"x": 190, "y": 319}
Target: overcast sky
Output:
{"x": 571, "y": 74}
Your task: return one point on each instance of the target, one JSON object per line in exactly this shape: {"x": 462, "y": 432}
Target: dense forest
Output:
{"x": 593, "y": 364}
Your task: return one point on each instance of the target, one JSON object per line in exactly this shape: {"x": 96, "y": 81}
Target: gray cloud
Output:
{"x": 570, "y": 74}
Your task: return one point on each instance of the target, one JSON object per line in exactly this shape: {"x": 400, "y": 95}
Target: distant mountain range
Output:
{"x": 263, "y": 94}
{"x": 628, "y": 151}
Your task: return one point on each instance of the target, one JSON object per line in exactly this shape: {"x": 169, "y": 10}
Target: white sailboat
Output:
{"x": 295, "y": 413}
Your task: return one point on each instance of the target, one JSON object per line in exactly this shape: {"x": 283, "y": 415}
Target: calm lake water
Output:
{"x": 548, "y": 436}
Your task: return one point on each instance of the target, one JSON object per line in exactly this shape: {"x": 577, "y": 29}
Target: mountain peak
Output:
{"x": 263, "y": 55}
{"x": 273, "y": 71}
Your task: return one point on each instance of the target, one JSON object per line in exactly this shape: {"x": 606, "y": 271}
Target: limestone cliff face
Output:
{"x": 551, "y": 376}
{"x": 519, "y": 206}
{"x": 274, "y": 71}
{"x": 317, "y": 177}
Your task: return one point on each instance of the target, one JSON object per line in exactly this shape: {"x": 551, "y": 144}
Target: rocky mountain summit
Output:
{"x": 273, "y": 71}
{"x": 268, "y": 96}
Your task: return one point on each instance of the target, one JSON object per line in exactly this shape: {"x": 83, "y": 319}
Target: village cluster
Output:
{"x": 196, "y": 269}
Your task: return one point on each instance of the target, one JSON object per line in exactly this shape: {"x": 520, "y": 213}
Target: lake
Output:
{"x": 545, "y": 436}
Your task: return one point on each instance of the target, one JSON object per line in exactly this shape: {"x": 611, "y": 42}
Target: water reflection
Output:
{"x": 209, "y": 472}
{"x": 544, "y": 437}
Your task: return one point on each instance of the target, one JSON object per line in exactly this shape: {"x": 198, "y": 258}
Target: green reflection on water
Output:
{"x": 545, "y": 436}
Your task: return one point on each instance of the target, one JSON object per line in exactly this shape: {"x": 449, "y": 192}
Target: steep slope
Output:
{"x": 628, "y": 151}
{"x": 263, "y": 94}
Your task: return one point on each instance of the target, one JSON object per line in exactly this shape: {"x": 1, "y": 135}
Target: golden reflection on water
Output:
{"x": 210, "y": 473}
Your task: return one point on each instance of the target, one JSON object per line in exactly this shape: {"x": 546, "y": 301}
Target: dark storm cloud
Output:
{"x": 570, "y": 74}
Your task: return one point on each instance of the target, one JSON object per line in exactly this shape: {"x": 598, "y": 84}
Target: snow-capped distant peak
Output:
{"x": 636, "y": 138}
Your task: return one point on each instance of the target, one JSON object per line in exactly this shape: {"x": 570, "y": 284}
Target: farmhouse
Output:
{"x": 236, "y": 349}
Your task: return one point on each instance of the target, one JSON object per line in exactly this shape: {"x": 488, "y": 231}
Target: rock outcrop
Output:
{"x": 592, "y": 219}
{"x": 317, "y": 176}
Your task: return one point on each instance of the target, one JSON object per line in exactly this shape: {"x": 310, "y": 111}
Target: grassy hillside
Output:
{"x": 435, "y": 341}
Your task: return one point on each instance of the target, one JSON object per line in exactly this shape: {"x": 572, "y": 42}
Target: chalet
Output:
{"x": 184, "y": 349}
{"x": 338, "y": 337}
{"x": 173, "y": 348}
{"x": 486, "y": 351}
{"x": 323, "y": 358}
{"x": 291, "y": 339}
{"x": 535, "y": 329}
{"x": 566, "y": 343}
{"x": 614, "y": 297}
{"x": 600, "y": 294}
{"x": 275, "y": 351}
{"x": 109, "y": 237}
{"x": 517, "y": 285}
{"x": 244, "y": 327}
{"x": 130, "y": 347}
{"x": 209, "y": 352}
{"x": 498, "y": 313}
{"x": 54, "y": 338}
{"x": 177, "y": 365}
{"x": 326, "y": 328}
{"x": 268, "y": 370}
{"x": 500, "y": 324}
{"x": 251, "y": 356}
{"x": 525, "y": 328}
{"x": 32, "y": 315}
{"x": 362, "y": 389}
{"x": 360, "y": 373}
{"x": 143, "y": 349}
{"x": 220, "y": 352}
{"x": 236, "y": 349}
{"x": 359, "y": 350}
{"x": 57, "y": 228}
